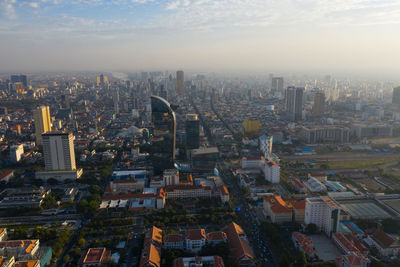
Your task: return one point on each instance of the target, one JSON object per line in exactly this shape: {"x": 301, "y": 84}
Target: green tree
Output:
{"x": 49, "y": 202}
{"x": 66, "y": 258}
{"x": 311, "y": 229}
{"x": 301, "y": 259}
{"x": 81, "y": 242}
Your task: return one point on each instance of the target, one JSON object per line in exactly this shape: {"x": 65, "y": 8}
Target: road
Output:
{"x": 250, "y": 220}
{"x": 39, "y": 219}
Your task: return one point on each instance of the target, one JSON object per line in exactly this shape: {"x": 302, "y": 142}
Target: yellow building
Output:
{"x": 251, "y": 126}
{"x": 42, "y": 122}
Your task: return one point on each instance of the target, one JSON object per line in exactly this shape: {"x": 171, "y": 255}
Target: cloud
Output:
{"x": 8, "y": 8}
{"x": 34, "y": 4}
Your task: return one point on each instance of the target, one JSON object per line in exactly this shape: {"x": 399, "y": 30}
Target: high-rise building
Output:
{"x": 58, "y": 150}
{"x": 163, "y": 92}
{"x": 180, "y": 82}
{"x": 294, "y": 102}
{"x": 324, "y": 212}
{"x": 102, "y": 79}
{"x": 20, "y": 78}
{"x": 319, "y": 104}
{"x": 396, "y": 97}
{"x": 116, "y": 100}
{"x": 16, "y": 152}
{"x": 42, "y": 122}
{"x": 164, "y": 134}
{"x": 277, "y": 84}
{"x": 192, "y": 131}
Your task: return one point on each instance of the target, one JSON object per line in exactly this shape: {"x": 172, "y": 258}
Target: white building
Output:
{"x": 272, "y": 172}
{"x": 315, "y": 185}
{"x": 59, "y": 153}
{"x": 59, "y": 157}
{"x": 171, "y": 177}
{"x": 252, "y": 163}
{"x": 195, "y": 240}
{"x": 324, "y": 212}
{"x": 16, "y": 152}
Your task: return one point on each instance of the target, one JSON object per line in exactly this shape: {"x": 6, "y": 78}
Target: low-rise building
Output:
{"x": 253, "y": 163}
{"x": 174, "y": 241}
{"x": 287, "y": 210}
{"x": 95, "y": 257}
{"x": 151, "y": 253}
{"x": 20, "y": 249}
{"x": 6, "y": 176}
{"x": 387, "y": 245}
{"x": 209, "y": 261}
{"x": 314, "y": 185}
{"x": 215, "y": 238}
{"x": 325, "y": 134}
{"x": 171, "y": 177}
{"x": 353, "y": 259}
{"x": 3, "y": 234}
{"x": 195, "y": 240}
{"x": 303, "y": 243}
{"x": 23, "y": 197}
{"x": 239, "y": 246}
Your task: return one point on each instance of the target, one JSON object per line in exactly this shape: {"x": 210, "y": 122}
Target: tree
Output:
{"x": 81, "y": 242}
{"x": 284, "y": 260}
{"x": 301, "y": 259}
{"x": 66, "y": 258}
{"x": 311, "y": 229}
{"x": 49, "y": 201}
{"x": 52, "y": 181}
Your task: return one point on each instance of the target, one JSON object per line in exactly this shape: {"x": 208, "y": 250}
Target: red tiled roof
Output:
{"x": 239, "y": 247}
{"x": 95, "y": 256}
{"x": 384, "y": 239}
{"x": 224, "y": 190}
{"x": 5, "y": 174}
{"x": 196, "y": 234}
{"x": 213, "y": 236}
{"x": 173, "y": 238}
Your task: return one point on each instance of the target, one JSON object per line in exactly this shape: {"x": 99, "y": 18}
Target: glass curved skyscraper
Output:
{"x": 164, "y": 134}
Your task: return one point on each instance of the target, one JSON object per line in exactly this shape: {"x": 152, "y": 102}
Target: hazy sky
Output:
{"x": 331, "y": 35}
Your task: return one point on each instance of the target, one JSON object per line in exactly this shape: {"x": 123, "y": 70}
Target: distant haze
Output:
{"x": 116, "y": 35}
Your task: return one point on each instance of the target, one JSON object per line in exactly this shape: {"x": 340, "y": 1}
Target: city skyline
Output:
{"x": 349, "y": 36}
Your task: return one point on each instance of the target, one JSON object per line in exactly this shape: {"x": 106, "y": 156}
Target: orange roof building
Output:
{"x": 95, "y": 257}
{"x": 239, "y": 247}
{"x": 281, "y": 211}
{"x": 303, "y": 243}
{"x": 151, "y": 253}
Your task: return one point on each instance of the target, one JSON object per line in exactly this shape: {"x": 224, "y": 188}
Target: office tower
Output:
{"x": 396, "y": 97}
{"x": 102, "y": 79}
{"x": 180, "y": 86}
{"x": 116, "y": 100}
{"x": 324, "y": 212}
{"x": 164, "y": 134}
{"x": 319, "y": 104}
{"x": 58, "y": 150}
{"x": 192, "y": 131}
{"x": 294, "y": 102}
{"x": 16, "y": 152}
{"x": 277, "y": 84}
{"x": 163, "y": 92}
{"x": 42, "y": 122}
{"x": 20, "y": 78}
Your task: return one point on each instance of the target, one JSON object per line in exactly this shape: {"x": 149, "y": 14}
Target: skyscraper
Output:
{"x": 277, "y": 84}
{"x": 164, "y": 134}
{"x": 102, "y": 79}
{"x": 42, "y": 122}
{"x": 294, "y": 102}
{"x": 180, "y": 86}
{"x": 396, "y": 97}
{"x": 20, "y": 78}
{"x": 319, "y": 104}
{"x": 58, "y": 150}
{"x": 116, "y": 100}
{"x": 192, "y": 131}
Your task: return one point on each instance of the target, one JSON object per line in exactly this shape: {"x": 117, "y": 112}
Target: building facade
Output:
{"x": 294, "y": 103}
{"x": 164, "y": 135}
{"x": 41, "y": 117}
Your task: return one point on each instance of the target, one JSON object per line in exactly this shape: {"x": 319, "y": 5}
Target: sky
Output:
{"x": 130, "y": 35}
